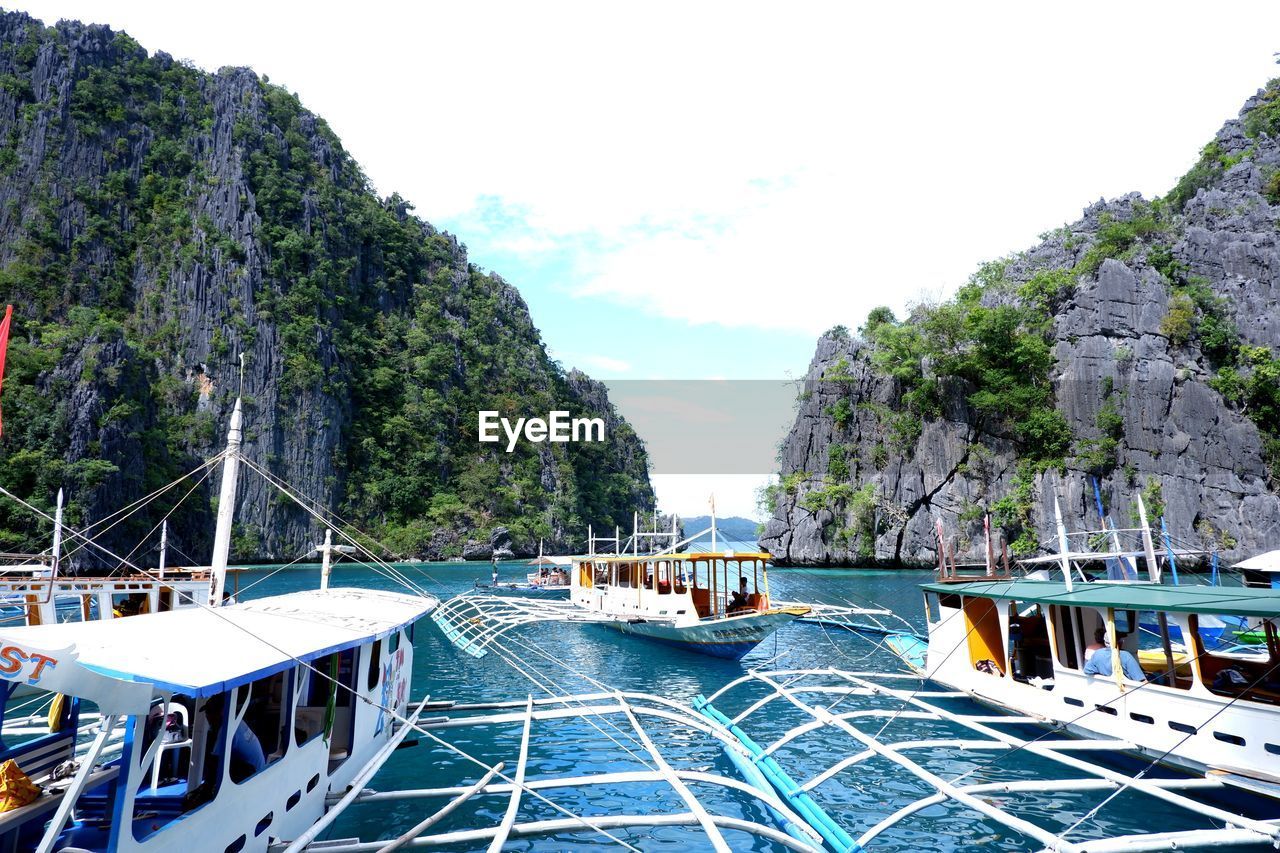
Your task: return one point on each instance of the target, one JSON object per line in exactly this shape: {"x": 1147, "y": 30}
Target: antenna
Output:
{"x": 241, "y": 374}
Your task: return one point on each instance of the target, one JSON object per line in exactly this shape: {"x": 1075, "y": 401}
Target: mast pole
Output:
{"x": 164, "y": 543}
{"x": 326, "y": 564}
{"x": 57, "y": 539}
{"x": 991, "y": 554}
{"x": 713, "y": 524}
{"x": 226, "y": 506}
{"x": 1063, "y": 550}
{"x": 1153, "y": 570}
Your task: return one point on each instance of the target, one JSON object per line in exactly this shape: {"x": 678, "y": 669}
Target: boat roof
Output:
{"x": 205, "y": 651}
{"x": 1100, "y": 556}
{"x": 1234, "y": 600}
{"x": 692, "y": 556}
{"x": 1268, "y": 562}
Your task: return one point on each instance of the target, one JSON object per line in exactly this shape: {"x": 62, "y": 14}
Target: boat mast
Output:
{"x": 1153, "y": 570}
{"x": 164, "y": 543}
{"x": 713, "y": 524}
{"x": 226, "y": 506}
{"x": 326, "y": 564}
{"x": 991, "y": 554}
{"x": 57, "y": 538}
{"x": 1063, "y": 550}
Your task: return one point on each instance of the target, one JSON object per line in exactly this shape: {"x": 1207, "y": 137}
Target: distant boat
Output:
{"x": 715, "y": 602}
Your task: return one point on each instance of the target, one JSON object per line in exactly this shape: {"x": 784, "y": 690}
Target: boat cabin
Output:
{"x": 1039, "y": 630}
{"x": 1190, "y": 674}
{"x": 705, "y": 586}
{"x": 35, "y": 600}
{"x": 1261, "y": 571}
{"x": 216, "y": 728}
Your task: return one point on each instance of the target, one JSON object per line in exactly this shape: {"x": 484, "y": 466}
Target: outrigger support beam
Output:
{"x": 444, "y": 812}
{"x": 517, "y": 784}
{"x": 69, "y": 797}
{"x": 357, "y": 784}
{"x": 783, "y": 685}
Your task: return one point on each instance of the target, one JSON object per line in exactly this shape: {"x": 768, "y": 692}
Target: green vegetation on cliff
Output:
{"x": 158, "y": 221}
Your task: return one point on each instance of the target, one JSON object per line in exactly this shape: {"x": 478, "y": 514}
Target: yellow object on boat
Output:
{"x": 1153, "y": 660}
{"x": 56, "y": 707}
{"x": 16, "y": 788}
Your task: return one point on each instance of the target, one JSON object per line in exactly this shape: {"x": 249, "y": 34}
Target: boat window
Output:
{"x": 681, "y": 572}
{"x": 982, "y": 631}
{"x": 1065, "y": 636}
{"x": 375, "y": 664}
{"x": 314, "y": 690}
{"x": 1238, "y": 656}
{"x": 393, "y": 643}
{"x": 663, "y": 572}
{"x": 1161, "y": 650}
{"x": 931, "y": 612}
{"x": 1029, "y": 656}
{"x": 129, "y": 604}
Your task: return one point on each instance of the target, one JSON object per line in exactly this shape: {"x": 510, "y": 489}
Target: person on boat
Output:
{"x": 247, "y": 757}
{"x": 1099, "y": 662}
{"x": 740, "y": 600}
{"x": 494, "y": 561}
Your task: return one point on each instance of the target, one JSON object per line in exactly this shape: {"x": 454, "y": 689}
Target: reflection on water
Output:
{"x": 579, "y": 658}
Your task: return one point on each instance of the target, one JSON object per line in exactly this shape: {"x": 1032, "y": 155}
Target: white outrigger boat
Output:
{"x": 1172, "y": 687}
{"x": 1024, "y": 647}
{"x": 233, "y": 727}
{"x": 35, "y": 591}
{"x": 715, "y": 603}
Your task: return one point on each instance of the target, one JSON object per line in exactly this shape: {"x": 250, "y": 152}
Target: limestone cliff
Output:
{"x": 157, "y": 221}
{"x": 1139, "y": 345}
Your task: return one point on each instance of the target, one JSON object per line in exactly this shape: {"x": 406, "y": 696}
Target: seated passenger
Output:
{"x": 740, "y": 600}
{"x": 1099, "y": 662}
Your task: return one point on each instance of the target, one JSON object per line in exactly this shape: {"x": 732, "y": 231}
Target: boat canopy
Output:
{"x": 1268, "y": 562}
{"x": 1232, "y": 601}
{"x": 203, "y": 652}
{"x": 683, "y": 556}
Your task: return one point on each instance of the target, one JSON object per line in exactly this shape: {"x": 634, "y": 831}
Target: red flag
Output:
{"x": 4, "y": 345}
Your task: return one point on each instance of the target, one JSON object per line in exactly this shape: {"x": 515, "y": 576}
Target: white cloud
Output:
{"x": 734, "y": 163}
{"x": 690, "y": 495}
{"x": 604, "y": 363}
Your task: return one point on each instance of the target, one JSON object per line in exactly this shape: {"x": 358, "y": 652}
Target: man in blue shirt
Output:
{"x": 1099, "y": 662}
{"x": 247, "y": 757}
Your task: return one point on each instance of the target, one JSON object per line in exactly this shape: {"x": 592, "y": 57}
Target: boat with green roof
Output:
{"x": 1136, "y": 660}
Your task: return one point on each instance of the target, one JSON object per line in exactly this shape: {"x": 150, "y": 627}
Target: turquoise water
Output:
{"x": 564, "y": 657}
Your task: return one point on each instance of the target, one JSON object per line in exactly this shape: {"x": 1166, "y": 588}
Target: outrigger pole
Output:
{"x": 226, "y": 506}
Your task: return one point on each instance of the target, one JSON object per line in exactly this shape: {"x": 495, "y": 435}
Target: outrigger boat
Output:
{"x": 1029, "y": 647}
{"x": 715, "y": 603}
{"x": 233, "y": 727}
{"x": 35, "y": 591}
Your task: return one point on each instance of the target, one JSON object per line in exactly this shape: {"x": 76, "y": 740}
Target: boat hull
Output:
{"x": 731, "y": 638}
{"x": 527, "y": 590}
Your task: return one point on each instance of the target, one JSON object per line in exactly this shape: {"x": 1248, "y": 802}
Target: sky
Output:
{"x": 698, "y": 190}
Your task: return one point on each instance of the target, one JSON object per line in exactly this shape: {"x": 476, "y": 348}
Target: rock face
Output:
{"x": 157, "y": 222}
{"x": 1163, "y": 402}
